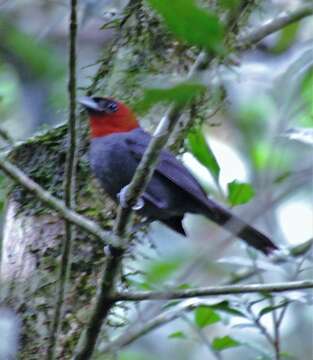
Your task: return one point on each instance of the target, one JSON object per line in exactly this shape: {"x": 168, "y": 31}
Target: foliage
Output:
{"x": 199, "y": 147}
{"x": 225, "y": 342}
{"x": 178, "y": 94}
{"x": 239, "y": 193}
{"x": 205, "y": 316}
{"x": 183, "y": 15}
{"x": 260, "y": 122}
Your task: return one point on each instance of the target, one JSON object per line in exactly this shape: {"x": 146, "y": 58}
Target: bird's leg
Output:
{"x": 123, "y": 201}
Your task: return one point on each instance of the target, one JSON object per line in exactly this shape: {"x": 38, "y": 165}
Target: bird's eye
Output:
{"x": 107, "y": 105}
{"x": 111, "y": 106}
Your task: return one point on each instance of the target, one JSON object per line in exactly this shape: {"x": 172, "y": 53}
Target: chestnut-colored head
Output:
{"x": 108, "y": 116}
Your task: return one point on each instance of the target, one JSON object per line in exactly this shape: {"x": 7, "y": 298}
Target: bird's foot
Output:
{"x": 123, "y": 201}
{"x": 139, "y": 204}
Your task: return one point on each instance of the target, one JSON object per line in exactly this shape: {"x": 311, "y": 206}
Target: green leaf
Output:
{"x": 162, "y": 270}
{"x": 205, "y": 315}
{"x": 269, "y": 309}
{"x": 184, "y": 286}
{"x": 287, "y": 356}
{"x": 201, "y": 150}
{"x": 179, "y": 94}
{"x": 307, "y": 86}
{"x": 264, "y": 156}
{"x": 226, "y": 307}
{"x": 302, "y": 248}
{"x": 225, "y": 342}
{"x": 306, "y": 119}
{"x": 286, "y": 38}
{"x": 239, "y": 193}
{"x": 177, "y": 335}
{"x": 190, "y": 23}
{"x": 282, "y": 177}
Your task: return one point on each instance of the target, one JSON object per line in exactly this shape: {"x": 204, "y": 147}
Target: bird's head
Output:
{"x": 108, "y": 116}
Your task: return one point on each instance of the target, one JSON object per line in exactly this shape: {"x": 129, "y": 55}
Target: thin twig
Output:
{"x": 276, "y": 336}
{"x": 202, "y": 337}
{"x": 69, "y": 187}
{"x": 272, "y": 339}
{"x": 256, "y": 320}
{"x": 256, "y": 35}
{"x": 137, "y": 331}
{"x": 296, "y": 251}
{"x": 52, "y": 202}
{"x": 212, "y": 291}
{"x": 278, "y": 318}
{"x": 295, "y": 276}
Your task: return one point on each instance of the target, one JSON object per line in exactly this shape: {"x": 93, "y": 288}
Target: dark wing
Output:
{"x": 168, "y": 166}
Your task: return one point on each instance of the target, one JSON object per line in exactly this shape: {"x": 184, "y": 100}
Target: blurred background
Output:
{"x": 261, "y": 136}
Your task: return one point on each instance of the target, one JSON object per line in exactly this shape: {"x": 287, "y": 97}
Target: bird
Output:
{"x": 117, "y": 144}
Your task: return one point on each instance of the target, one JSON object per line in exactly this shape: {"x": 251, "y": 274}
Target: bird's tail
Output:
{"x": 238, "y": 227}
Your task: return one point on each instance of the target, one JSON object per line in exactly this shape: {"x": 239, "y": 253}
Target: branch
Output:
{"x": 282, "y": 20}
{"x": 129, "y": 335}
{"x": 69, "y": 187}
{"x": 212, "y": 291}
{"x": 52, "y": 202}
{"x": 137, "y": 331}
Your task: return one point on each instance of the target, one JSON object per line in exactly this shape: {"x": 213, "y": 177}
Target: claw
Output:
{"x": 139, "y": 204}
{"x": 123, "y": 202}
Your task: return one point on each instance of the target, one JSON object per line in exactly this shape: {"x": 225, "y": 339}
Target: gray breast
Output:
{"x": 111, "y": 163}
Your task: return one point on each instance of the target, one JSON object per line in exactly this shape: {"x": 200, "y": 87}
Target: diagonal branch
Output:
{"x": 256, "y": 35}
{"x": 137, "y": 331}
{"x": 69, "y": 186}
{"x": 52, "y": 202}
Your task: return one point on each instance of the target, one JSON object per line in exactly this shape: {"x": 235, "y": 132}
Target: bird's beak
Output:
{"x": 88, "y": 103}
